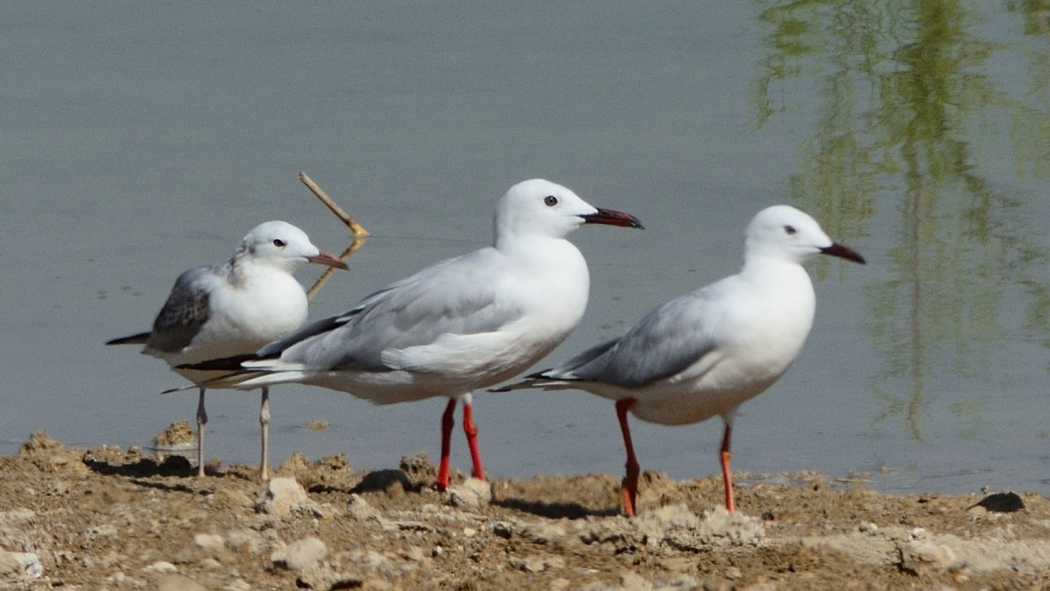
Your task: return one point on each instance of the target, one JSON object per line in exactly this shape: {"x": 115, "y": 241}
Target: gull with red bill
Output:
{"x": 234, "y": 308}
{"x": 707, "y": 352}
{"x": 457, "y": 326}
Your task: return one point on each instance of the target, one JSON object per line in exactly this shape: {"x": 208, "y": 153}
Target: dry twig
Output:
{"x": 332, "y": 205}
{"x": 356, "y": 244}
{"x": 360, "y": 234}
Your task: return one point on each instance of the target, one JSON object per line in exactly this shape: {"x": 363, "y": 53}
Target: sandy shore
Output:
{"x": 108, "y": 518}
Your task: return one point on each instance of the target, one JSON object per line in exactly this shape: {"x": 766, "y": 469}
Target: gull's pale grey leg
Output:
{"x": 264, "y": 422}
{"x": 202, "y": 420}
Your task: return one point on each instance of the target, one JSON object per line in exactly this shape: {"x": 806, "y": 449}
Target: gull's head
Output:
{"x": 542, "y": 208}
{"x": 282, "y": 245}
{"x": 783, "y": 232}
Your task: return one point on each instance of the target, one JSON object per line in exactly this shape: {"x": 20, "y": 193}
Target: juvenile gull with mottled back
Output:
{"x": 234, "y": 308}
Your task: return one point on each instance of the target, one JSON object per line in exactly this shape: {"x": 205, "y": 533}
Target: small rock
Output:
{"x": 312, "y": 509}
{"x": 281, "y": 496}
{"x": 415, "y": 554}
{"x": 359, "y": 508}
{"x": 733, "y": 573}
{"x": 544, "y": 532}
{"x": 209, "y": 541}
{"x": 532, "y": 564}
{"x": 503, "y": 529}
{"x": 237, "y": 585}
{"x": 160, "y": 567}
{"x": 59, "y": 488}
{"x": 178, "y": 583}
{"x": 187, "y": 555}
{"x": 471, "y": 494}
{"x": 687, "y": 583}
{"x": 301, "y": 554}
{"x": 23, "y": 564}
{"x": 245, "y": 540}
{"x": 632, "y": 581}
{"x": 319, "y": 577}
{"x": 923, "y": 557}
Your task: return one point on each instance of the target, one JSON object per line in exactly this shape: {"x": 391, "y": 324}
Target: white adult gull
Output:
{"x": 706, "y": 352}
{"x": 234, "y": 308}
{"x": 462, "y": 324}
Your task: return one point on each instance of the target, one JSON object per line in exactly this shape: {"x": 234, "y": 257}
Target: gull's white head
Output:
{"x": 539, "y": 207}
{"x": 282, "y": 245}
{"x": 783, "y": 232}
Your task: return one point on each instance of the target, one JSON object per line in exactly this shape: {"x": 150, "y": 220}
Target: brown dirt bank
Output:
{"x": 112, "y": 519}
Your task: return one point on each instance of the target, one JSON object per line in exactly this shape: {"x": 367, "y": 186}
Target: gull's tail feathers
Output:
{"x": 249, "y": 379}
{"x": 543, "y": 380}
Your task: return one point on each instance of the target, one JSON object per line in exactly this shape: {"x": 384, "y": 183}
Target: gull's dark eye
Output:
{"x": 790, "y": 230}
{"x": 550, "y": 200}
{"x": 278, "y": 243}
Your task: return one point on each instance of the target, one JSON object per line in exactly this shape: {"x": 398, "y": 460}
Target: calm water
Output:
{"x": 140, "y": 141}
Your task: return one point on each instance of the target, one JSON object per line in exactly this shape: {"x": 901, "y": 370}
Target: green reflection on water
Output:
{"x": 917, "y": 128}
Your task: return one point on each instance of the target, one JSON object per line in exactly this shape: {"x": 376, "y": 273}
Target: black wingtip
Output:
{"x": 135, "y": 339}
{"x": 224, "y": 364}
{"x": 538, "y": 375}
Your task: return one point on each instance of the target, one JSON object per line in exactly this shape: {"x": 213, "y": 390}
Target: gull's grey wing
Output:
{"x": 185, "y": 311}
{"x": 456, "y": 297}
{"x": 664, "y": 343}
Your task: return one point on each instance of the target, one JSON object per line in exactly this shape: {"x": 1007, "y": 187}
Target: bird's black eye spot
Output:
{"x": 278, "y": 243}
{"x": 790, "y": 230}
{"x": 550, "y": 200}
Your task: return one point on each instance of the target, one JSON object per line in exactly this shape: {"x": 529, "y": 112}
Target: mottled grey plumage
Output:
{"x": 185, "y": 311}
{"x": 233, "y": 308}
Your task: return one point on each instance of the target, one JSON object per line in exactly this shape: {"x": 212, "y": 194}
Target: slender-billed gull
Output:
{"x": 707, "y": 352}
{"x": 234, "y": 308}
{"x": 454, "y": 327}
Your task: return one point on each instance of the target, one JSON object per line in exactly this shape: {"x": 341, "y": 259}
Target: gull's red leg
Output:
{"x": 472, "y": 440}
{"x": 447, "y": 422}
{"x": 629, "y": 486}
{"x": 725, "y": 468}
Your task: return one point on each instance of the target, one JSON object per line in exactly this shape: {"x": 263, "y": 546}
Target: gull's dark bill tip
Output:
{"x": 844, "y": 252}
{"x": 611, "y": 217}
